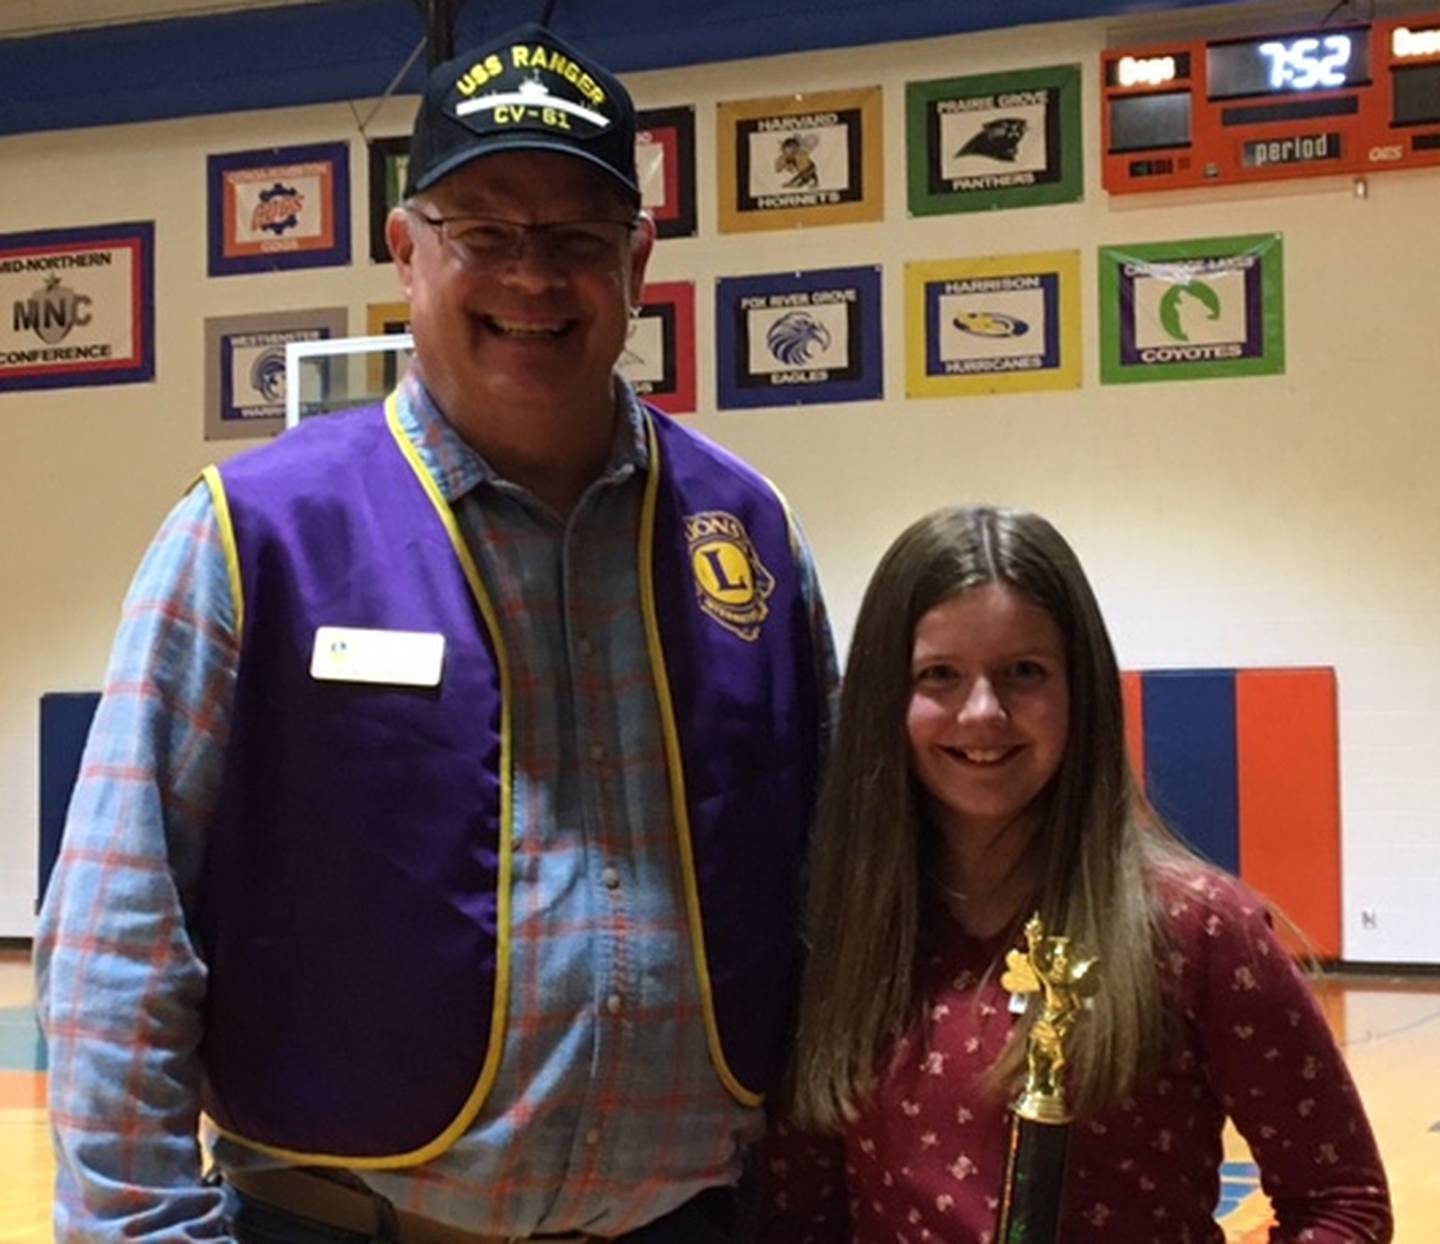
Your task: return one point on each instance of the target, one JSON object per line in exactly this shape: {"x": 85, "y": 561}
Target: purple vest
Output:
{"x": 354, "y": 910}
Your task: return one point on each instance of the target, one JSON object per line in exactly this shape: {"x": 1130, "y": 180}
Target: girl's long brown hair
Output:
{"x": 1098, "y": 844}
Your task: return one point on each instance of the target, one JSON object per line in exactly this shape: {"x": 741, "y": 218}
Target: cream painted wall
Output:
{"x": 1278, "y": 520}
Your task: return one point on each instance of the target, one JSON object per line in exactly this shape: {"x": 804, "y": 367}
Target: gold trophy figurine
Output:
{"x": 1033, "y": 1191}
{"x": 1046, "y": 967}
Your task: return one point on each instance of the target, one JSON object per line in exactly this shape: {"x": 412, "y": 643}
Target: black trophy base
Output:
{"x": 1034, "y": 1183}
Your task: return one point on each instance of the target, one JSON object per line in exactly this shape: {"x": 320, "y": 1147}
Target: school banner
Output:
{"x": 279, "y": 208}
{"x": 1000, "y": 324}
{"x": 245, "y": 368}
{"x": 1193, "y": 310}
{"x": 813, "y": 159}
{"x": 665, "y": 164}
{"x": 659, "y": 355}
{"x": 389, "y": 160}
{"x": 994, "y": 140}
{"x": 78, "y": 305}
{"x": 804, "y": 337}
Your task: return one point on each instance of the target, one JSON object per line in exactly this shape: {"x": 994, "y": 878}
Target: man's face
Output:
{"x": 527, "y": 324}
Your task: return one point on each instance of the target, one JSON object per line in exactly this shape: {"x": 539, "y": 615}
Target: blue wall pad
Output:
{"x": 352, "y": 49}
{"x": 65, "y": 718}
{"x": 1190, "y": 762}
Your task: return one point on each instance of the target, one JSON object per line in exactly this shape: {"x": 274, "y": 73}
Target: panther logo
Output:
{"x": 997, "y": 140}
{"x": 796, "y": 337}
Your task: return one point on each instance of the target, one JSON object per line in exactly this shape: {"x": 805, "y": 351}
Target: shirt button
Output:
{"x": 597, "y": 751}
{"x": 584, "y": 647}
{"x": 592, "y": 1137}
{"x": 611, "y": 878}
{"x": 613, "y": 1004}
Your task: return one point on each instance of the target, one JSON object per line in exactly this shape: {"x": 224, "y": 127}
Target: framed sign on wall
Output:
{"x": 994, "y": 140}
{"x": 81, "y": 306}
{"x": 809, "y": 160}
{"x": 791, "y": 338}
{"x": 1207, "y": 308}
{"x": 279, "y": 208}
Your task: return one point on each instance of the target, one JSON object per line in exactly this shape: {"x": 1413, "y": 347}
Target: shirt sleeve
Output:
{"x": 801, "y": 1193}
{"x": 1276, "y": 1068}
{"x": 119, "y": 981}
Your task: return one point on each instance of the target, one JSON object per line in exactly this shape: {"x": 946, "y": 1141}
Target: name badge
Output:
{"x": 389, "y": 658}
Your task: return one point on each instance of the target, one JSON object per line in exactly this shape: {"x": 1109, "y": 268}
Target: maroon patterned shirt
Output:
{"x": 923, "y": 1162}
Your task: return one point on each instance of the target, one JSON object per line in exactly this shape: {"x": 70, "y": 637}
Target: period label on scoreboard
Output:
{"x": 1353, "y": 98}
{"x": 1193, "y": 310}
{"x": 993, "y": 140}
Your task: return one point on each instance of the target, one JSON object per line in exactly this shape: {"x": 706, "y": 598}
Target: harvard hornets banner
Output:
{"x": 994, "y": 140}
{"x": 1001, "y": 324}
{"x": 806, "y": 337}
{"x": 800, "y": 160}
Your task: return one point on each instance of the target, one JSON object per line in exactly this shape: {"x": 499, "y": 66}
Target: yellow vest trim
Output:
{"x": 675, "y": 764}
{"x": 216, "y": 485}
{"x": 491, "y": 1068}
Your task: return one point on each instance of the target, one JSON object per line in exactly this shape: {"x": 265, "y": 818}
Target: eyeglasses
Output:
{"x": 490, "y": 240}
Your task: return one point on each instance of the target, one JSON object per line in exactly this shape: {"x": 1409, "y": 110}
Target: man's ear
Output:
{"x": 402, "y": 245}
{"x": 640, "y": 247}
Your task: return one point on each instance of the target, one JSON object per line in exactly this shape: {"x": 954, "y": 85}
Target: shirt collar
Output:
{"x": 457, "y": 468}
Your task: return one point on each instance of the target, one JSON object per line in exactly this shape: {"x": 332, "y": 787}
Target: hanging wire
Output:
{"x": 361, "y": 123}
{"x": 1341, "y": 5}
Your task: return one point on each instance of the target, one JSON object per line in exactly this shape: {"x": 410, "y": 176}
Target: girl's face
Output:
{"x": 989, "y": 708}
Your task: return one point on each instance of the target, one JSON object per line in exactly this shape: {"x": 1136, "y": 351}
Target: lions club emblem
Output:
{"x": 731, "y": 582}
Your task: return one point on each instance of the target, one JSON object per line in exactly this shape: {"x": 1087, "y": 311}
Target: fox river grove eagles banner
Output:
{"x": 787, "y": 338}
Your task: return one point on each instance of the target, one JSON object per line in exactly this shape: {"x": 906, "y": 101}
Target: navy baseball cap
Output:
{"x": 524, "y": 91}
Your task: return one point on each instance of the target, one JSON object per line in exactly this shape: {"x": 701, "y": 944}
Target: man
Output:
{"x": 439, "y": 832}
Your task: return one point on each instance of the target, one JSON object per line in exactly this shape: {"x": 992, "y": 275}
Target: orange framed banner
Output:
{"x": 386, "y": 319}
{"x": 659, "y": 356}
{"x": 665, "y": 163}
{"x": 279, "y": 208}
{"x": 81, "y": 307}
{"x": 1000, "y": 324}
{"x": 800, "y": 160}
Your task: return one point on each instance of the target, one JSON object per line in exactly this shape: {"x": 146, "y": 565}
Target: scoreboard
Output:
{"x": 1351, "y": 98}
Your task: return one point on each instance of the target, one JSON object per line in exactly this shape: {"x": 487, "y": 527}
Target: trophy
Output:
{"x": 1040, "y": 1120}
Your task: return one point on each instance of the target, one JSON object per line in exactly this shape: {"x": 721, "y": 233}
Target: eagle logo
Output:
{"x": 997, "y": 140}
{"x": 796, "y": 337}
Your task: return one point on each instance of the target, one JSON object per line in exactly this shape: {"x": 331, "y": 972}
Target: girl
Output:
{"x": 979, "y": 774}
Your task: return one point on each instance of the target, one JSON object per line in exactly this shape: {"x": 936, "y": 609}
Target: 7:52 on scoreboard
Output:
{"x": 1353, "y": 98}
